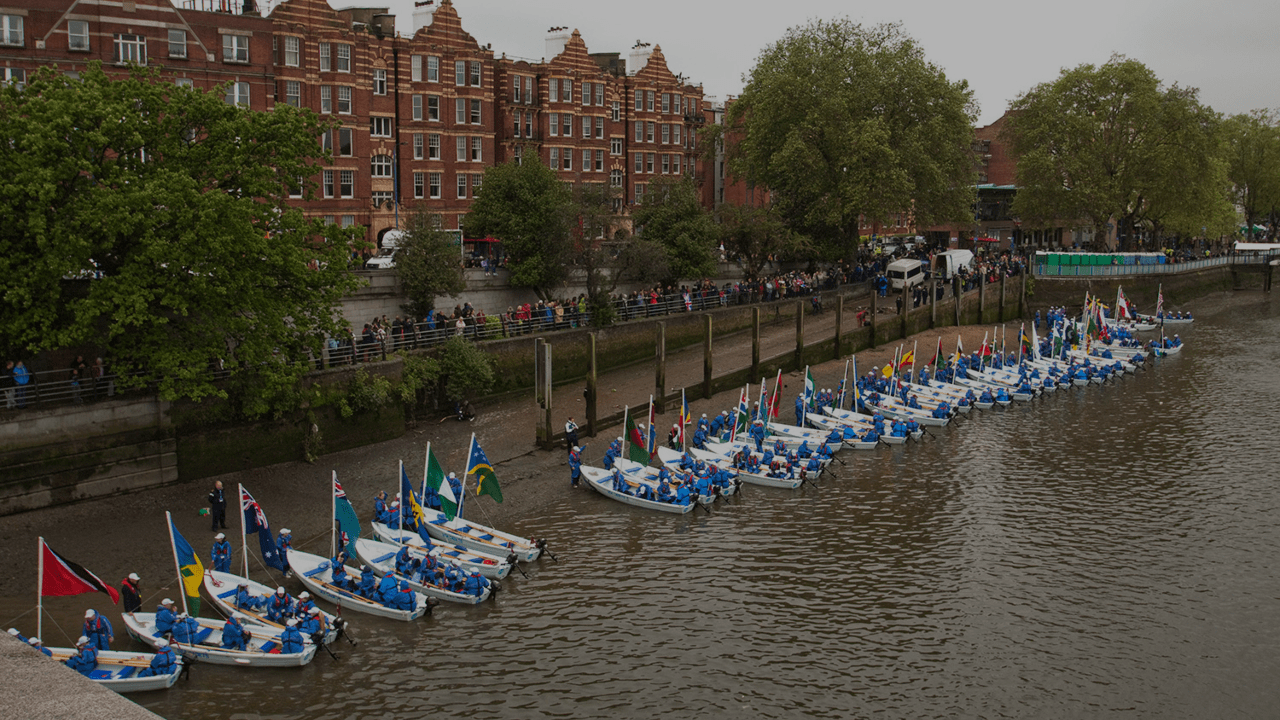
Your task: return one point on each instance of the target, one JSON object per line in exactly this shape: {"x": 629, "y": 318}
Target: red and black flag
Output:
{"x": 60, "y": 576}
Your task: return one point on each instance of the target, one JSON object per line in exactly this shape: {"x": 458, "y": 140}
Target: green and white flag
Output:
{"x": 810, "y": 389}
{"x": 436, "y": 480}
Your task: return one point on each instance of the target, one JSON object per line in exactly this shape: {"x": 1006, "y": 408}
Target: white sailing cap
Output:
{"x": 33, "y": 641}
{"x": 285, "y": 531}
{"x": 304, "y": 595}
{"x": 90, "y": 613}
{"x": 161, "y": 643}
{"x": 315, "y": 611}
{"x": 166, "y": 601}
{"x": 220, "y": 536}
{"x": 82, "y": 641}
{"x": 292, "y": 623}
{"x": 280, "y": 590}
{"x": 134, "y": 577}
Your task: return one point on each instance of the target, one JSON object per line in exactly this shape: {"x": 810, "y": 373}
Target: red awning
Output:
{"x": 481, "y": 240}
{"x": 987, "y": 239}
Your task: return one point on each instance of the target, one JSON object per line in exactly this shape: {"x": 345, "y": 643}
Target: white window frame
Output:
{"x": 566, "y": 125}
{"x": 600, "y": 94}
{"x": 327, "y": 186}
{"x": 462, "y": 186}
{"x": 326, "y": 99}
{"x": 567, "y": 157}
{"x": 554, "y": 159}
{"x": 238, "y": 94}
{"x": 433, "y": 108}
{"x": 78, "y": 36}
{"x": 326, "y": 58}
{"x": 586, "y": 126}
{"x": 135, "y": 46}
{"x": 415, "y": 68}
{"x": 417, "y": 107}
{"x": 615, "y": 146}
{"x": 347, "y": 183}
{"x": 434, "y": 181}
{"x": 460, "y": 73}
{"x": 476, "y": 118}
{"x": 599, "y": 128}
{"x": 599, "y": 160}
{"x": 344, "y": 58}
{"x": 433, "y": 68}
{"x": 419, "y": 147}
{"x": 566, "y": 90}
{"x": 380, "y": 126}
{"x": 11, "y": 31}
{"x": 586, "y": 160}
{"x": 419, "y": 185}
{"x": 433, "y": 146}
{"x": 477, "y": 73}
{"x": 235, "y": 49}
{"x": 460, "y": 111}
{"x": 344, "y": 98}
{"x": 553, "y": 90}
{"x": 477, "y": 149}
{"x": 554, "y": 125}
{"x": 379, "y": 82}
{"x": 615, "y": 178}
{"x": 615, "y": 111}
{"x": 639, "y": 104}
{"x": 381, "y": 166}
{"x": 528, "y": 90}
{"x": 292, "y": 51}
{"x": 515, "y": 89}
{"x": 293, "y": 93}
{"x": 586, "y": 94}
{"x": 460, "y": 148}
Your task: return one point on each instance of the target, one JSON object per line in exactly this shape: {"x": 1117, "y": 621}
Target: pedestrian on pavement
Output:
{"x": 21, "y": 376}
{"x": 217, "y": 507}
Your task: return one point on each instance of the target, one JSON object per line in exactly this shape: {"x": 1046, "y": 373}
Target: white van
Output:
{"x": 386, "y": 257}
{"x": 947, "y": 264}
{"x": 905, "y": 273}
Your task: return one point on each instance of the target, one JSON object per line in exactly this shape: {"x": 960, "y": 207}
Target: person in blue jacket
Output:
{"x": 803, "y": 452}
{"x": 247, "y": 600}
{"x": 800, "y": 409}
{"x": 234, "y": 636}
{"x": 700, "y": 438}
{"x": 313, "y": 625}
{"x": 914, "y": 403}
{"x": 406, "y": 564}
{"x": 381, "y": 512}
{"x": 284, "y": 541}
{"x": 757, "y": 433}
{"x": 814, "y": 466}
{"x": 165, "y": 618}
{"x": 387, "y": 589}
{"x": 664, "y": 493}
{"x": 303, "y": 604}
{"x": 338, "y": 576}
{"x": 221, "y": 553}
{"x": 611, "y": 453}
{"x": 162, "y": 663}
{"x": 86, "y": 660}
{"x": 368, "y": 583}
{"x": 279, "y": 606}
{"x": 185, "y": 629}
{"x": 835, "y": 438}
{"x": 682, "y": 494}
{"x": 98, "y": 630}
{"x": 291, "y": 640}
{"x": 475, "y": 584}
{"x": 575, "y": 466}
{"x": 405, "y": 599}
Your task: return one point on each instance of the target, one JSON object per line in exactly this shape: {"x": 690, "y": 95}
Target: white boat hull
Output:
{"x": 602, "y": 481}
{"x": 118, "y": 671}
{"x": 382, "y": 558}
{"x": 490, "y": 566}
{"x": 142, "y": 627}
{"x": 221, "y": 587}
{"x": 481, "y": 538}
{"x": 315, "y": 573}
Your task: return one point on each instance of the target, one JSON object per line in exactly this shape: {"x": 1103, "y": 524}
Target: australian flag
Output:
{"x": 256, "y": 521}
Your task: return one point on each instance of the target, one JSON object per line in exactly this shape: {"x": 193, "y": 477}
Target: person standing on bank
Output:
{"x": 218, "y": 507}
{"x": 571, "y": 434}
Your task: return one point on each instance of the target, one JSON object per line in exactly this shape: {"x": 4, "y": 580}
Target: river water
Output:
{"x": 1101, "y": 552}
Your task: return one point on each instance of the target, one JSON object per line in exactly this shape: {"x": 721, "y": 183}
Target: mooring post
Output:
{"x": 755, "y": 341}
{"x": 982, "y": 299}
{"x": 591, "y": 398}
{"x": 955, "y": 295}
{"x": 660, "y": 371}
{"x": 799, "y": 333}
{"x": 1003, "y": 279}
{"x": 839, "y": 325}
{"x": 933, "y": 303}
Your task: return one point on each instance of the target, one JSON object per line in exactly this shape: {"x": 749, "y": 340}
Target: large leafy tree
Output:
{"x": 529, "y": 210}
{"x": 151, "y": 221}
{"x": 672, "y": 215}
{"x": 1110, "y": 144}
{"x": 846, "y": 124}
{"x": 427, "y": 262}
{"x": 755, "y": 234}
{"x": 1253, "y": 166}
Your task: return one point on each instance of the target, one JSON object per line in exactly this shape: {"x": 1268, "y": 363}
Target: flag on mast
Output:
{"x": 651, "y": 439}
{"x": 255, "y": 521}
{"x": 810, "y": 388}
{"x": 345, "y": 516}
{"x": 635, "y": 441}
{"x": 857, "y": 394}
{"x": 437, "y": 481}
{"x": 1160, "y": 303}
{"x": 743, "y": 415}
{"x": 684, "y": 419}
{"x": 478, "y": 465}
{"x": 190, "y": 569}
{"x": 773, "y": 399}
{"x": 60, "y": 577}
{"x": 938, "y": 359}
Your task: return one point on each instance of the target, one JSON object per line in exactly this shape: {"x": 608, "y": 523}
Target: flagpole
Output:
{"x": 244, "y": 542}
{"x": 462, "y": 492}
{"x": 174, "y": 547}
{"x": 683, "y": 405}
{"x": 915, "y": 345}
{"x": 333, "y": 515}
{"x": 626, "y": 436}
{"x": 844, "y": 385}
{"x": 856, "y": 394}
{"x": 40, "y": 590}
{"x": 773, "y": 399}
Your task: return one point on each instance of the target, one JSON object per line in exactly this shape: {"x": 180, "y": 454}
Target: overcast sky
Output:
{"x": 1001, "y": 47}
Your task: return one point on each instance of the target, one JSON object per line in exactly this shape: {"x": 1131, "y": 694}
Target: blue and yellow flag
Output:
{"x": 478, "y": 465}
{"x": 189, "y": 567}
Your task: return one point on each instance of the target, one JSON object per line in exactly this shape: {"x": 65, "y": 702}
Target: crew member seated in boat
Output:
{"x": 767, "y": 457}
{"x": 162, "y": 663}
{"x": 702, "y": 484}
{"x": 575, "y": 466}
{"x": 914, "y": 403}
{"x": 279, "y": 606}
{"x": 1002, "y": 395}
{"x": 803, "y": 452}
{"x": 247, "y": 600}
{"x": 221, "y": 553}
{"x": 814, "y": 466}
{"x": 475, "y": 584}
{"x": 303, "y": 604}
{"x": 284, "y": 542}
{"x": 314, "y": 626}
{"x": 165, "y": 617}
{"x": 1177, "y": 341}
{"x": 619, "y": 483}
{"x": 85, "y": 661}
{"x": 185, "y": 629}
{"x": 406, "y": 564}
{"x": 34, "y": 642}
{"x": 986, "y": 396}
{"x": 368, "y": 583}
{"x": 393, "y": 511}
{"x": 234, "y": 636}
{"x": 942, "y": 410}
{"x": 836, "y": 438}
{"x": 913, "y": 427}
{"x": 871, "y": 435}
{"x": 406, "y": 599}
{"x": 387, "y": 589}
{"x": 897, "y": 428}
{"x": 664, "y": 493}
{"x": 703, "y": 424}
{"x": 98, "y": 630}
{"x": 682, "y": 493}
{"x": 338, "y": 577}
{"x": 291, "y": 640}
{"x": 700, "y": 438}
{"x": 924, "y": 375}
{"x": 643, "y": 492}
{"x": 453, "y": 577}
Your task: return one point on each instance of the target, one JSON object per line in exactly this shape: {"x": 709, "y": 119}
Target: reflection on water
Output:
{"x": 1102, "y": 551}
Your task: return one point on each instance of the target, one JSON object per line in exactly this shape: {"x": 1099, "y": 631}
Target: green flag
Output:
{"x": 436, "y": 481}
{"x": 636, "y": 450}
{"x": 478, "y": 465}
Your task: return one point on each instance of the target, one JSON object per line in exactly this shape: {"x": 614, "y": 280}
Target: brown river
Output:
{"x": 1105, "y": 551}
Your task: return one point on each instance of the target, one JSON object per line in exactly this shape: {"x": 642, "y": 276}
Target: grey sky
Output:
{"x": 1002, "y": 47}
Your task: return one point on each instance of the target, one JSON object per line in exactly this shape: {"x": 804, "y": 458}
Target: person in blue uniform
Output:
{"x": 914, "y": 403}
{"x": 700, "y": 438}
{"x": 757, "y": 433}
{"x": 247, "y": 600}
{"x": 619, "y": 483}
{"x": 162, "y": 663}
{"x": 284, "y": 541}
{"x": 803, "y": 452}
{"x": 475, "y": 584}
{"x": 221, "y": 553}
{"x": 85, "y": 661}
{"x": 800, "y": 409}
{"x": 303, "y": 605}
{"x": 643, "y": 492}
{"x": 406, "y": 564}
{"x": 185, "y": 629}
{"x": 381, "y": 512}
{"x": 98, "y": 630}
{"x": 942, "y": 410}
{"x": 165, "y": 617}
{"x": 234, "y": 636}
{"x": 313, "y": 625}
{"x": 291, "y": 640}
{"x": 368, "y": 583}
{"x": 387, "y": 589}
{"x": 429, "y": 570}
{"x": 405, "y": 598}
{"x": 279, "y": 606}
{"x": 813, "y": 467}
{"x": 611, "y": 453}
{"x": 575, "y": 466}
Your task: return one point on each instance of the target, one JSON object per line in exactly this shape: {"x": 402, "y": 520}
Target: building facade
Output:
{"x": 420, "y": 116}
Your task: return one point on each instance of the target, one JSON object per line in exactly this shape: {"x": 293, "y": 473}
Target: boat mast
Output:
{"x": 177, "y": 567}
{"x": 333, "y": 516}
{"x": 40, "y": 589}
{"x": 244, "y": 543}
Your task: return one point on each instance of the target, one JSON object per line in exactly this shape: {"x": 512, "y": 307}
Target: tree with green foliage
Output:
{"x": 671, "y": 214}
{"x": 755, "y": 234}
{"x": 1110, "y": 144}
{"x": 467, "y": 370}
{"x": 527, "y": 208}
{"x": 845, "y": 125}
{"x": 1253, "y": 167}
{"x": 608, "y": 255}
{"x": 152, "y": 221}
{"x": 427, "y": 262}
